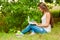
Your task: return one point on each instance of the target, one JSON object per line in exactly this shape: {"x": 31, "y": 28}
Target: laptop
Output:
{"x": 29, "y": 21}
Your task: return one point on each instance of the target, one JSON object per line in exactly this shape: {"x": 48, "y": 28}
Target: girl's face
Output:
{"x": 40, "y": 9}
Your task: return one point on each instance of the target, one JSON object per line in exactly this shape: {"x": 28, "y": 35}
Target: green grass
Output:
{"x": 54, "y": 35}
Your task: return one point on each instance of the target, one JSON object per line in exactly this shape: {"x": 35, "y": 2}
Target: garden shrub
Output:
{"x": 16, "y": 14}
{"x": 55, "y": 11}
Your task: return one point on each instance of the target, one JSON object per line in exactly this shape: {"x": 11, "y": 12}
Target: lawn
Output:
{"x": 54, "y": 35}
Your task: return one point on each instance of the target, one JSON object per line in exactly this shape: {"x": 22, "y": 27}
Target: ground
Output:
{"x": 54, "y": 35}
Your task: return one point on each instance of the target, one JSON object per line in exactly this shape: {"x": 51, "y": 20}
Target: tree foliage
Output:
{"x": 15, "y": 14}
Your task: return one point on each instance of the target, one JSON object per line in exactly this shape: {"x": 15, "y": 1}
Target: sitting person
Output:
{"x": 45, "y": 26}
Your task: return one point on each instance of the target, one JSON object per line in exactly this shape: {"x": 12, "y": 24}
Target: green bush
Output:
{"x": 55, "y": 11}
{"x": 50, "y": 5}
{"x": 16, "y": 14}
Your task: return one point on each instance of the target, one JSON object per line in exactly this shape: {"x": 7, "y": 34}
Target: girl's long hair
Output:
{"x": 44, "y": 8}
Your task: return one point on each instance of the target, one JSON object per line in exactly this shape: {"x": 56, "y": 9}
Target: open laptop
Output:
{"x": 29, "y": 21}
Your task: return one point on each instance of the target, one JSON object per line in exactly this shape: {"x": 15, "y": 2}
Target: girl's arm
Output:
{"x": 47, "y": 21}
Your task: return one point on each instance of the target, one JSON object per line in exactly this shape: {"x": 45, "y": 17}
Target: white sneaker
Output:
{"x": 19, "y": 34}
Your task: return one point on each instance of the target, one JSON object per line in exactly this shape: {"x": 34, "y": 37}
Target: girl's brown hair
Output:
{"x": 44, "y": 8}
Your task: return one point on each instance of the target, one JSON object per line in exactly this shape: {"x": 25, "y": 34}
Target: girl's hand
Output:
{"x": 35, "y": 22}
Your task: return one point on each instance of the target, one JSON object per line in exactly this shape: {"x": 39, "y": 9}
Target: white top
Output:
{"x": 48, "y": 29}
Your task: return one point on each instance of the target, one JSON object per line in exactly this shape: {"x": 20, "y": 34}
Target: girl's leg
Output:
{"x": 38, "y": 29}
{"x": 26, "y": 29}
